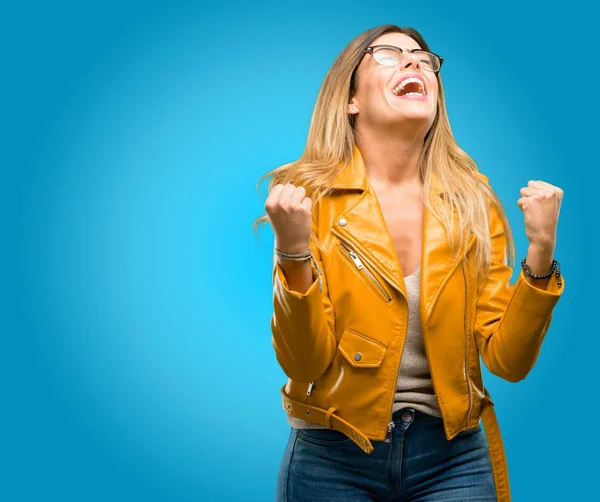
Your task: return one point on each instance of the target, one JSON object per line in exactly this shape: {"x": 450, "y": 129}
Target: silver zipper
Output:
{"x": 467, "y": 344}
{"x": 388, "y": 435}
{"x": 360, "y": 266}
{"x": 310, "y": 387}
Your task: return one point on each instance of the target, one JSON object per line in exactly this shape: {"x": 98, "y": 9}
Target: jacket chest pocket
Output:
{"x": 364, "y": 271}
{"x": 360, "y": 351}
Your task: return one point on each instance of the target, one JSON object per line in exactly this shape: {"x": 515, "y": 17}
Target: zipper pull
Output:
{"x": 356, "y": 260}
{"x": 388, "y": 436}
{"x": 353, "y": 256}
{"x": 310, "y": 387}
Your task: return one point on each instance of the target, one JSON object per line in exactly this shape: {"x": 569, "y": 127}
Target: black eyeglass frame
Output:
{"x": 411, "y": 51}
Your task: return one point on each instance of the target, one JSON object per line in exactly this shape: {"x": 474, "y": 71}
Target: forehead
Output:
{"x": 398, "y": 39}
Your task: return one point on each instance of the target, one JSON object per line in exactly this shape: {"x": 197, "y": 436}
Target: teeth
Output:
{"x": 399, "y": 88}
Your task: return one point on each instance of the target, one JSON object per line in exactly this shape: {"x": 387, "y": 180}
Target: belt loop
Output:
{"x": 328, "y": 416}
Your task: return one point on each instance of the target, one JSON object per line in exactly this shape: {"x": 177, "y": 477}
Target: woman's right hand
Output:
{"x": 290, "y": 214}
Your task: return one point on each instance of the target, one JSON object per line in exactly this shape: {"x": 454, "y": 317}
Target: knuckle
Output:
{"x": 270, "y": 202}
{"x": 273, "y": 205}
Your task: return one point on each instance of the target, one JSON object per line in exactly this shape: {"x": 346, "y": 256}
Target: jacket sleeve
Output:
{"x": 302, "y": 324}
{"x": 511, "y": 320}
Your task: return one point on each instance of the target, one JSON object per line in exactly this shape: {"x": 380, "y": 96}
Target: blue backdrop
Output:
{"x": 137, "y": 361}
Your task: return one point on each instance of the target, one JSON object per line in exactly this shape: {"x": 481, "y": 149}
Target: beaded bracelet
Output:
{"x": 555, "y": 267}
{"x": 302, "y": 257}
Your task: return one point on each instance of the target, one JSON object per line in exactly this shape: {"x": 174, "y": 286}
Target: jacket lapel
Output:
{"x": 437, "y": 262}
{"x": 362, "y": 224}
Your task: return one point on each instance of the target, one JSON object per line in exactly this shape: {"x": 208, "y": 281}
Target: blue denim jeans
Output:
{"x": 418, "y": 463}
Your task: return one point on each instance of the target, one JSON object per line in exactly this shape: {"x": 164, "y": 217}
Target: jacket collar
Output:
{"x": 354, "y": 175}
{"x": 363, "y": 225}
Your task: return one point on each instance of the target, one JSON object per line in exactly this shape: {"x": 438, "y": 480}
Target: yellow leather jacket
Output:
{"x": 340, "y": 343}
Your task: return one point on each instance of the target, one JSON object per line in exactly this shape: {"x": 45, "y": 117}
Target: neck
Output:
{"x": 391, "y": 161}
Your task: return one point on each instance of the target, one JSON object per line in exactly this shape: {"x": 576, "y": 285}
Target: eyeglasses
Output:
{"x": 390, "y": 55}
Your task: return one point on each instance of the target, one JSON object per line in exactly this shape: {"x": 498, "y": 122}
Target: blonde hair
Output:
{"x": 330, "y": 145}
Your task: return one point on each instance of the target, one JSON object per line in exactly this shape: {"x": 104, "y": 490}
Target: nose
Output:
{"x": 408, "y": 59}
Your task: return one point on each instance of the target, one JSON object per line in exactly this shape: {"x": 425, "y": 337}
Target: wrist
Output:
{"x": 542, "y": 246}
{"x": 539, "y": 258}
{"x": 291, "y": 249}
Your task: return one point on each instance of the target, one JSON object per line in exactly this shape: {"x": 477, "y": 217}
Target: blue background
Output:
{"x": 137, "y": 361}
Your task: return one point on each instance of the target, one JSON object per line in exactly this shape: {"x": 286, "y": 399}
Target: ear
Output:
{"x": 352, "y": 107}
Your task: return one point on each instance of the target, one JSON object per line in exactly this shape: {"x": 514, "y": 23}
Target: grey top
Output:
{"x": 413, "y": 388}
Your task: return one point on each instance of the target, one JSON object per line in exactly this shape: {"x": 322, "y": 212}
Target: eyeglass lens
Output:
{"x": 391, "y": 57}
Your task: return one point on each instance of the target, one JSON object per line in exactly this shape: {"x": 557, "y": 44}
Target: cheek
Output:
{"x": 433, "y": 85}
{"x": 377, "y": 80}
{"x": 373, "y": 97}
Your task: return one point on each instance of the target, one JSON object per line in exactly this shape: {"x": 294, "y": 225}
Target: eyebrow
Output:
{"x": 404, "y": 48}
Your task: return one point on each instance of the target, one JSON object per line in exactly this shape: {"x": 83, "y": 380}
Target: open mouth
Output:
{"x": 409, "y": 87}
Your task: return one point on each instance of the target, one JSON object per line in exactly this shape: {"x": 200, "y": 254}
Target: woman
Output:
{"x": 391, "y": 279}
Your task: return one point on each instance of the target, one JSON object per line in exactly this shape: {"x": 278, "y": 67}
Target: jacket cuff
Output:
{"x": 285, "y": 286}
{"x": 552, "y": 289}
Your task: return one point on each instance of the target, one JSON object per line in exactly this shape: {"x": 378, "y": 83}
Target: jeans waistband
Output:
{"x": 411, "y": 415}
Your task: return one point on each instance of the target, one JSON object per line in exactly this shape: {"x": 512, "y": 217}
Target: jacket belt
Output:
{"x": 329, "y": 419}
{"x": 326, "y": 418}
{"x": 496, "y": 448}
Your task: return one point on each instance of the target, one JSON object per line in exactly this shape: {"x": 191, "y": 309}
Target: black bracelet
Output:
{"x": 555, "y": 267}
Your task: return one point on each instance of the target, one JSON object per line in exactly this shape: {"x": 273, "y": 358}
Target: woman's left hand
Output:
{"x": 540, "y": 203}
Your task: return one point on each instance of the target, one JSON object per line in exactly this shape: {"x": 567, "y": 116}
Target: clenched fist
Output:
{"x": 540, "y": 203}
{"x": 290, "y": 213}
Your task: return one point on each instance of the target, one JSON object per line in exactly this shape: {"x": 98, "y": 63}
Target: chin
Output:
{"x": 416, "y": 116}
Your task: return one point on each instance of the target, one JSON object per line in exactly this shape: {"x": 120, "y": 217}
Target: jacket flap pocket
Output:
{"x": 361, "y": 351}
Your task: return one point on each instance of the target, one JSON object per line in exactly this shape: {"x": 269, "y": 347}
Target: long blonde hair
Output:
{"x": 330, "y": 145}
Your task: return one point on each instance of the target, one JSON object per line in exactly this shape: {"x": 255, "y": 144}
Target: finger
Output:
{"x": 531, "y": 194}
{"x": 528, "y": 191}
{"x": 522, "y": 203}
{"x": 536, "y": 195}
{"x": 274, "y": 194}
{"x": 546, "y": 184}
{"x": 553, "y": 188}
{"x": 540, "y": 185}
{"x": 286, "y": 193}
{"x": 307, "y": 203}
{"x": 539, "y": 190}
{"x": 298, "y": 195}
